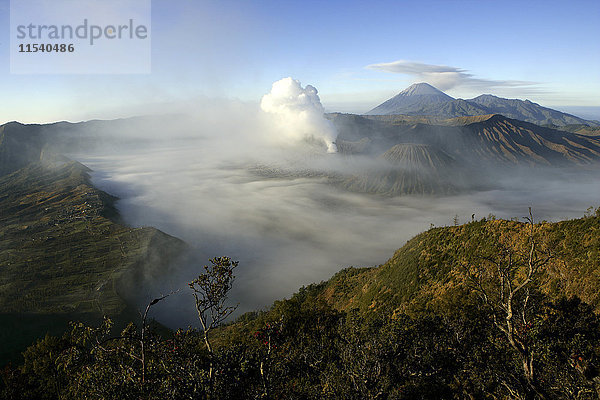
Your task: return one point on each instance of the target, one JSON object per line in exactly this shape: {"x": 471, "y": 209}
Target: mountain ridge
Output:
{"x": 424, "y": 274}
{"x": 426, "y": 100}
{"x": 64, "y": 252}
{"x": 492, "y": 138}
{"x": 480, "y": 147}
{"x": 413, "y": 98}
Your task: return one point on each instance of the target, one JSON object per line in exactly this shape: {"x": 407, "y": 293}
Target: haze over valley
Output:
{"x": 296, "y": 194}
{"x": 230, "y": 182}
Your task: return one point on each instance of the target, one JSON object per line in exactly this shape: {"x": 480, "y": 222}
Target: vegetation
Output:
{"x": 427, "y": 274}
{"x": 210, "y": 290}
{"x": 474, "y": 311}
{"x": 580, "y": 129}
{"x": 308, "y": 350}
{"x": 64, "y": 256}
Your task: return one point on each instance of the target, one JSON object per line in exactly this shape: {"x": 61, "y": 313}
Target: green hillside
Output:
{"x": 427, "y": 273}
{"x": 413, "y": 328}
{"x": 63, "y": 256}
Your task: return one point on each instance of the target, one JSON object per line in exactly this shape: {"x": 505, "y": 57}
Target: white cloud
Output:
{"x": 446, "y": 77}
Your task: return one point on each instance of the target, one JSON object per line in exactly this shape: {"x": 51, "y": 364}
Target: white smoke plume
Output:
{"x": 298, "y": 114}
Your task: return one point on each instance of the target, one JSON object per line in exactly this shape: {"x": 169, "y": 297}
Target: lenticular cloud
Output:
{"x": 298, "y": 113}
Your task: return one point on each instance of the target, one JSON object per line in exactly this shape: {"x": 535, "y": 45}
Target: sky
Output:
{"x": 356, "y": 53}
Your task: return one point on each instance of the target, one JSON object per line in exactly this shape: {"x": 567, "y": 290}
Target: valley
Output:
{"x": 98, "y": 218}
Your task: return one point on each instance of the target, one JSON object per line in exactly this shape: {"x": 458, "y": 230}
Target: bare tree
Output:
{"x": 210, "y": 291}
{"x": 505, "y": 283}
{"x": 129, "y": 335}
{"x": 144, "y": 330}
{"x": 269, "y": 335}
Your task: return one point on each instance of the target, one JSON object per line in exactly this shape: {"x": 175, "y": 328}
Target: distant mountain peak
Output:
{"x": 420, "y": 89}
{"x": 414, "y": 97}
{"x": 422, "y": 99}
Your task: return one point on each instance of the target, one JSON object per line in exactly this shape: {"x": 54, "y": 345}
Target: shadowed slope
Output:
{"x": 62, "y": 257}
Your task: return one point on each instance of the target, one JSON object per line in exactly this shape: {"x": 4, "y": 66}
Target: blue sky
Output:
{"x": 545, "y": 51}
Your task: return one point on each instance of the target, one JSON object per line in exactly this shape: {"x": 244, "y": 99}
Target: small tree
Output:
{"x": 144, "y": 330}
{"x": 506, "y": 282}
{"x": 210, "y": 291}
{"x": 270, "y": 336}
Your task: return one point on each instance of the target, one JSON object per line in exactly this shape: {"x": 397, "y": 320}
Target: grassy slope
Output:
{"x": 427, "y": 273}
{"x": 62, "y": 256}
{"x": 579, "y": 129}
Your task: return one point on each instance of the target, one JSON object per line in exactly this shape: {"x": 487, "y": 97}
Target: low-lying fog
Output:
{"x": 195, "y": 184}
